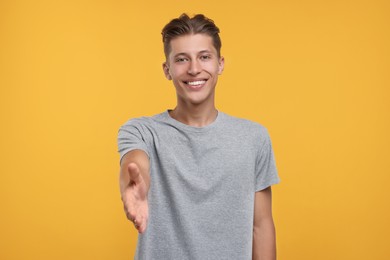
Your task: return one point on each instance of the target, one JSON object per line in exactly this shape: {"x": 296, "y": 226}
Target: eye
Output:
{"x": 181, "y": 59}
{"x": 205, "y": 57}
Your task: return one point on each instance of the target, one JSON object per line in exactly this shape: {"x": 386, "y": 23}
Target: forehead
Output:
{"x": 192, "y": 44}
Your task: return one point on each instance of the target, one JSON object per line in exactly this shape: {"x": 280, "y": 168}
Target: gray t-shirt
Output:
{"x": 203, "y": 184}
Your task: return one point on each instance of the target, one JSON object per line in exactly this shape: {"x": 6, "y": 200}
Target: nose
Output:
{"x": 194, "y": 68}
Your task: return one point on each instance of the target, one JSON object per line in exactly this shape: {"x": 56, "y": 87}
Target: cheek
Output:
{"x": 212, "y": 68}
{"x": 177, "y": 72}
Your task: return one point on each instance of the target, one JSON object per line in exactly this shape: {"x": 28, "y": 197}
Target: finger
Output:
{"x": 134, "y": 173}
{"x": 130, "y": 214}
{"x": 142, "y": 228}
{"x": 142, "y": 225}
{"x": 136, "y": 224}
{"x": 139, "y": 225}
{"x": 130, "y": 217}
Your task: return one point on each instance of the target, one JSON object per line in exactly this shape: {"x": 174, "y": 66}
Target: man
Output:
{"x": 194, "y": 181}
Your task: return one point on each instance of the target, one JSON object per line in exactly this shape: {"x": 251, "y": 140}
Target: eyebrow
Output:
{"x": 185, "y": 54}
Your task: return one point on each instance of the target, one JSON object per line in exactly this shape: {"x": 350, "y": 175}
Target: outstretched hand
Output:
{"x": 135, "y": 198}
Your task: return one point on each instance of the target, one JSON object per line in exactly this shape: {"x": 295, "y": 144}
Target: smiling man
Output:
{"x": 195, "y": 181}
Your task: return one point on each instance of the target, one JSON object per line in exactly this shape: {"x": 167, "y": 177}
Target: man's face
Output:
{"x": 193, "y": 65}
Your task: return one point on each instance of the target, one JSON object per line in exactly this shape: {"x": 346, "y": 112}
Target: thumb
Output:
{"x": 134, "y": 173}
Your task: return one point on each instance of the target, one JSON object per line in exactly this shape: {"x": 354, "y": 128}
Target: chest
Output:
{"x": 205, "y": 157}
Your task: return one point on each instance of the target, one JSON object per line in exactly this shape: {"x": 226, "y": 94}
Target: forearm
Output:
{"x": 264, "y": 240}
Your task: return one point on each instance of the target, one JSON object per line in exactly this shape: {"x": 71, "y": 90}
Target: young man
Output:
{"x": 194, "y": 181}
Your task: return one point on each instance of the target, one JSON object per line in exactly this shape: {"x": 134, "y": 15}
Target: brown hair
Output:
{"x": 185, "y": 25}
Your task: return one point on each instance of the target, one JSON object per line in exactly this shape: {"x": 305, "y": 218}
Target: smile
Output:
{"x": 195, "y": 84}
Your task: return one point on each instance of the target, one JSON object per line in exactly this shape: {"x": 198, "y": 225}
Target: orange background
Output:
{"x": 315, "y": 73}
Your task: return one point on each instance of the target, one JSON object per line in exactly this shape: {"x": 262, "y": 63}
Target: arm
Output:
{"x": 264, "y": 244}
{"x": 134, "y": 182}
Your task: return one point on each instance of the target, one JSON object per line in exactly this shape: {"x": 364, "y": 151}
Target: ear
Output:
{"x": 221, "y": 65}
{"x": 166, "y": 70}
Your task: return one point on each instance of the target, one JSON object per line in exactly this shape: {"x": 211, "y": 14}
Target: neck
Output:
{"x": 198, "y": 116}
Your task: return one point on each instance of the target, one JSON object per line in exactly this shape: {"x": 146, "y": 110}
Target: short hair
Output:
{"x": 184, "y": 25}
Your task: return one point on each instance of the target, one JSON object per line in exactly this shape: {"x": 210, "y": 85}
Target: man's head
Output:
{"x": 193, "y": 62}
{"x": 184, "y": 25}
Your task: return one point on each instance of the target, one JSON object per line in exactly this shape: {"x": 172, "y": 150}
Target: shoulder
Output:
{"x": 246, "y": 126}
{"x": 141, "y": 122}
{"x": 138, "y": 121}
{"x": 247, "y": 131}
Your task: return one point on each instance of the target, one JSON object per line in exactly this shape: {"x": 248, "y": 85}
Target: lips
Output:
{"x": 195, "y": 84}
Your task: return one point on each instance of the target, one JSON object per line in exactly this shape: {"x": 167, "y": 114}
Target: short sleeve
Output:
{"x": 266, "y": 172}
{"x": 131, "y": 136}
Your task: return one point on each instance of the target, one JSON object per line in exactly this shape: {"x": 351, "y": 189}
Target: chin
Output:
{"x": 198, "y": 100}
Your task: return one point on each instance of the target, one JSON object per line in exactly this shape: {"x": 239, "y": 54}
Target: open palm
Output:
{"x": 135, "y": 199}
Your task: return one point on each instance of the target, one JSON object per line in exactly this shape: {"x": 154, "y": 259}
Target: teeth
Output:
{"x": 194, "y": 83}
